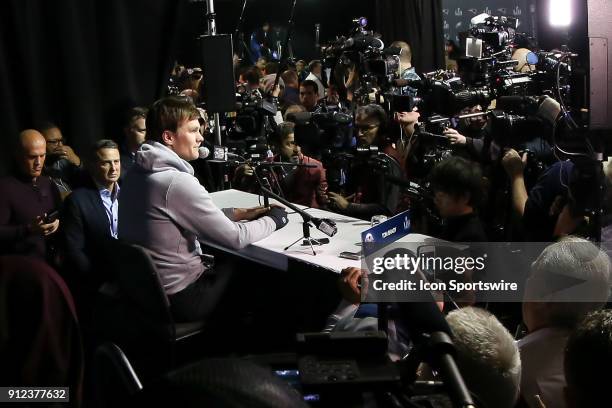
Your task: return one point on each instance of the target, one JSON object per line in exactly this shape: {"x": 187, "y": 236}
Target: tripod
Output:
{"x": 308, "y": 238}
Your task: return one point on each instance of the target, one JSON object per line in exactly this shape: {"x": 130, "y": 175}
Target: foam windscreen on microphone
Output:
{"x": 203, "y": 152}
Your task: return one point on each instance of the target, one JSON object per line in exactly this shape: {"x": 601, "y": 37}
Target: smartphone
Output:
{"x": 351, "y": 255}
{"x": 51, "y": 217}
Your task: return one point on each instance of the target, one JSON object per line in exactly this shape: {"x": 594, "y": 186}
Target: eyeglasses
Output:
{"x": 56, "y": 142}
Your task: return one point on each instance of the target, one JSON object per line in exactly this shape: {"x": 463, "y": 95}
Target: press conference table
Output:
{"x": 270, "y": 251}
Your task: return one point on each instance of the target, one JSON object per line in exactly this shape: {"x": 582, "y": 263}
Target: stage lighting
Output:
{"x": 560, "y": 13}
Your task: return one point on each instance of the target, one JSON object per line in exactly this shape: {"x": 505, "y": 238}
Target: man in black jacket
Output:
{"x": 457, "y": 187}
{"x": 90, "y": 216}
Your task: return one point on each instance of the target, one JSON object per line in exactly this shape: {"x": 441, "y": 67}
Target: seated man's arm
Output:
{"x": 191, "y": 206}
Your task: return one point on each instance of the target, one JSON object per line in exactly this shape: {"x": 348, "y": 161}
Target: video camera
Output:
{"x": 362, "y": 50}
{"x": 254, "y": 117}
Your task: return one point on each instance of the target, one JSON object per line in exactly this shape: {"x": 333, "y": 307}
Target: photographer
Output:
{"x": 370, "y": 195}
{"x": 300, "y": 185}
{"x": 471, "y": 138}
{"x": 457, "y": 186}
{"x": 316, "y": 71}
{"x": 309, "y": 91}
{"x": 406, "y": 71}
{"x": 546, "y": 210}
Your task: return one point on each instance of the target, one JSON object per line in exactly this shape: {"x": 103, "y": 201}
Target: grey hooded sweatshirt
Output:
{"x": 164, "y": 208}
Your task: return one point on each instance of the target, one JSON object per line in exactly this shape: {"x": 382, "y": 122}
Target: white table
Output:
{"x": 270, "y": 251}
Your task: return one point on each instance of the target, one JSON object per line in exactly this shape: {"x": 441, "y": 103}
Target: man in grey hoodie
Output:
{"x": 164, "y": 209}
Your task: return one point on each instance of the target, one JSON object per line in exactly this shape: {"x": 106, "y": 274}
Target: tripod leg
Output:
{"x": 311, "y": 247}
{"x": 295, "y": 242}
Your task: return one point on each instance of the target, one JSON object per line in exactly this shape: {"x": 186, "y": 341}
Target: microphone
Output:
{"x": 317, "y": 33}
{"x": 430, "y": 332}
{"x": 326, "y": 226}
{"x": 203, "y": 152}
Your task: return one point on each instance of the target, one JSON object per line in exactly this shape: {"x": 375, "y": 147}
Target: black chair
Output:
{"x": 136, "y": 313}
{"x": 115, "y": 380}
{"x": 221, "y": 383}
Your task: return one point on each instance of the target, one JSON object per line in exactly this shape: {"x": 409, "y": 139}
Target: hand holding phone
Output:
{"x": 51, "y": 217}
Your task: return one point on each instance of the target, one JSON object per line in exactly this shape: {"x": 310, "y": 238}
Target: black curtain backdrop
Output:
{"x": 419, "y": 23}
{"x": 81, "y": 62}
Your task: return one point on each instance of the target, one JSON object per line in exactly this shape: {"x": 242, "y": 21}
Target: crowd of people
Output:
{"x": 65, "y": 210}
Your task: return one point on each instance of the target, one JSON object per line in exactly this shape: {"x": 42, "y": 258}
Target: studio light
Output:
{"x": 560, "y": 13}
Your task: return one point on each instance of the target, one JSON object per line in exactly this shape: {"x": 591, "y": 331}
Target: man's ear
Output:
{"x": 168, "y": 137}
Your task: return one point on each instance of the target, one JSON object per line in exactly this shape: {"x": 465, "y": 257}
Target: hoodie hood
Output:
{"x": 155, "y": 157}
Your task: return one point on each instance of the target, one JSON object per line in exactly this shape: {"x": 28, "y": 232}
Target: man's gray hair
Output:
{"x": 487, "y": 356}
{"x": 574, "y": 259}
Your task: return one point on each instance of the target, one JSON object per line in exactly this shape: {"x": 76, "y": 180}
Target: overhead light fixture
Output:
{"x": 560, "y": 13}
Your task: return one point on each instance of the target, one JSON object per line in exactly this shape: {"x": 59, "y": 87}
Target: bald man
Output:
{"x": 28, "y": 202}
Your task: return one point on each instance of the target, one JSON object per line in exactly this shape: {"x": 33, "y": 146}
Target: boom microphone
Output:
{"x": 328, "y": 227}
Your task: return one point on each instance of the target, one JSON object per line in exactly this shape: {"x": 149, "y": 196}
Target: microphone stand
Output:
{"x": 306, "y": 218}
{"x": 240, "y": 36}
{"x": 282, "y": 63}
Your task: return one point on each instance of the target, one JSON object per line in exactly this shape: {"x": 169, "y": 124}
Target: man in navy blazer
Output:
{"x": 90, "y": 217}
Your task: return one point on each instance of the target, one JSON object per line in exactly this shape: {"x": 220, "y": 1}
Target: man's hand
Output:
{"x": 350, "y": 284}
{"x": 66, "y": 152}
{"x": 245, "y": 170}
{"x": 276, "y": 91}
{"x": 322, "y": 197}
{"x": 37, "y": 227}
{"x": 455, "y": 137}
{"x": 513, "y": 163}
{"x": 248, "y": 214}
{"x": 340, "y": 201}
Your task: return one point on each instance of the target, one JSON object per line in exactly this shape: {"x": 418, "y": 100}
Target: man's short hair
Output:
{"x": 46, "y": 125}
{"x": 588, "y": 356}
{"x": 373, "y": 110}
{"x": 578, "y": 260}
{"x": 377, "y": 112}
{"x": 252, "y": 75}
{"x": 406, "y": 54}
{"x": 92, "y": 156}
{"x": 292, "y": 110}
{"x": 458, "y": 176}
{"x": 283, "y": 130}
{"x": 134, "y": 113}
{"x": 313, "y": 64}
{"x": 311, "y": 83}
{"x": 289, "y": 77}
{"x": 167, "y": 114}
{"x": 487, "y": 356}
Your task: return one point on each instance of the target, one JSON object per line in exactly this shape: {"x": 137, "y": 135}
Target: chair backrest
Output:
{"x": 140, "y": 284}
{"x": 115, "y": 379}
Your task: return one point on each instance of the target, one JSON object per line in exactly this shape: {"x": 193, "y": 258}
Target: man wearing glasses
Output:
{"x": 366, "y": 194}
{"x": 62, "y": 164}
